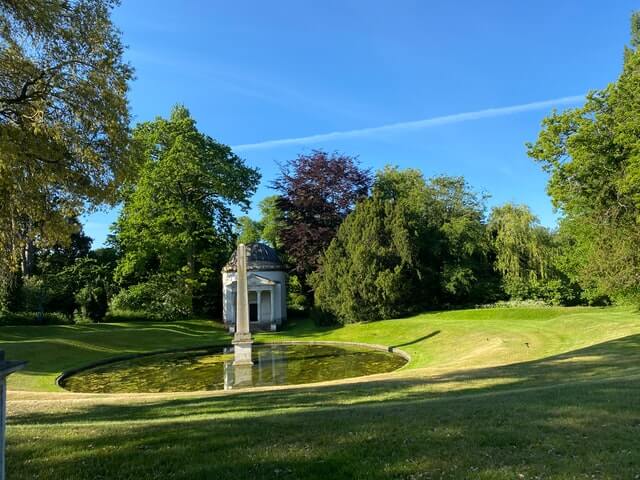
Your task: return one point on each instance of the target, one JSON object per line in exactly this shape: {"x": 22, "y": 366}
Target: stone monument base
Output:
{"x": 242, "y": 352}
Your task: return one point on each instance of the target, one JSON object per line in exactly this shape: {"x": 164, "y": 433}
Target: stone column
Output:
{"x": 6, "y": 368}
{"x": 272, "y": 295}
{"x": 242, "y": 338}
{"x": 279, "y": 313}
{"x": 232, "y": 309}
{"x": 229, "y": 309}
{"x": 259, "y": 309}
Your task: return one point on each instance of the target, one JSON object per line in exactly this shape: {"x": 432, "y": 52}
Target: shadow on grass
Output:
{"x": 567, "y": 416}
{"x": 417, "y": 340}
{"x": 51, "y": 349}
{"x": 603, "y": 362}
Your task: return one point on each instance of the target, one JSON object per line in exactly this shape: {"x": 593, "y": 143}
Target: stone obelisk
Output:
{"x": 242, "y": 338}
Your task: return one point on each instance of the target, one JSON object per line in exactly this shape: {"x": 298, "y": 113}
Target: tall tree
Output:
{"x": 177, "y": 221}
{"x": 271, "y": 221}
{"x": 249, "y": 231}
{"x": 370, "y": 270}
{"x": 448, "y": 219}
{"x": 593, "y": 156}
{"x": 522, "y": 247}
{"x": 316, "y": 192}
{"x": 413, "y": 244}
{"x": 63, "y": 118}
{"x": 458, "y": 213}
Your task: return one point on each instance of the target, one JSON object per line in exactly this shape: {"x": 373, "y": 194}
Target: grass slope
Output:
{"x": 489, "y": 394}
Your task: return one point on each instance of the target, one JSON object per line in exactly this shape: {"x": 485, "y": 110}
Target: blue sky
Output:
{"x": 254, "y": 72}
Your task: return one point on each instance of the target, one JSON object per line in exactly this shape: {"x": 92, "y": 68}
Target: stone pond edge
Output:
{"x": 120, "y": 358}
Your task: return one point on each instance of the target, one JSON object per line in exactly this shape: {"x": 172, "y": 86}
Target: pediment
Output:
{"x": 258, "y": 280}
{"x": 254, "y": 280}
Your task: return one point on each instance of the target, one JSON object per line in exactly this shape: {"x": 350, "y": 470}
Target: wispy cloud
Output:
{"x": 412, "y": 125}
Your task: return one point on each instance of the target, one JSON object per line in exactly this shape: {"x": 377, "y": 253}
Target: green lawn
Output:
{"x": 488, "y": 394}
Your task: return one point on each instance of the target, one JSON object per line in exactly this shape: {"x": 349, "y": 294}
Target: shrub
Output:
{"x": 34, "y": 295}
{"x": 516, "y": 304}
{"x": 34, "y": 318}
{"x": 554, "y": 291}
{"x": 160, "y": 297}
{"x": 92, "y": 301}
{"x": 124, "y": 316}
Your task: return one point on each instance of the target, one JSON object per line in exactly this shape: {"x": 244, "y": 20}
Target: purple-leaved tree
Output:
{"x": 316, "y": 192}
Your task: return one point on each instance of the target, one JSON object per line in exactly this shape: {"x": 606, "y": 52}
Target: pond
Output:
{"x": 212, "y": 369}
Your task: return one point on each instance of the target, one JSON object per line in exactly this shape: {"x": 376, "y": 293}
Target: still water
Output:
{"x": 212, "y": 369}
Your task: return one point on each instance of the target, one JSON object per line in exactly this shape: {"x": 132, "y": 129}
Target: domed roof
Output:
{"x": 259, "y": 257}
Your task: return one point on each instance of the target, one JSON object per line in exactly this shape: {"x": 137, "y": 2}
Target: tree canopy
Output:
{"x": 522, "y": 248}
{"x": 249, "y": 231}
{"x": 316, "y": 192}
{"x": 64, "y": 118}
{"x": 592, "y": 154}
{"x": 271, "y": 221}
{"x": 370, "y": 270}
{"x": 365, "y": 247}
{"x": 413, "y": 244}
{"x": 177, "y": 220}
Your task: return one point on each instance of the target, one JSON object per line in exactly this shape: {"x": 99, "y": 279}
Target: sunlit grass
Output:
{"x": 489, "y": 394}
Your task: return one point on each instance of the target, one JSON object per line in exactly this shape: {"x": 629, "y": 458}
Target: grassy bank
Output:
{"x": 491, "y": 394}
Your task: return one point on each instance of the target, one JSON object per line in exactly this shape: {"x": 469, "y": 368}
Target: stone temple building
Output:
{"x": 267, "y": 285}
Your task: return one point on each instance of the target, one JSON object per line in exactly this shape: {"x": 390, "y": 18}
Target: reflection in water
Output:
{"x": 213, "y": 369}
{"x": 269, "y": 368}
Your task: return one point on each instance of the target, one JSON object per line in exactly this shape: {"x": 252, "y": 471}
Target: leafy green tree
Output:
{"x": 271, "y": 221}
{"x": 409, "y": 190}
{"x": 161, "y": 297}
{"x": 522, "y": 248}
{"x": 64, "y": 119}
{"x": 267, "y": 229}
{"x": 249, "y": 231}
{"x": 92, "y": 283}
{"x": 532, "y": 260}
{"x": 39, "y": 287}
{"x": 52, "y": 272}
{"x": 69, "y": 279}
{"x": 592, "y": 154}
{"x": 50, "y": 261}
{"x": 448, "y": 220}
{"x": 370, "y": 270}
{"x": 458, "y": 214}
{"x": 177, "y": 221}
{"x": 413, "y": 244}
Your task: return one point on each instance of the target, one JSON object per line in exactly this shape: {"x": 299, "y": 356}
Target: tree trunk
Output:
{"x": 28, "y": 258}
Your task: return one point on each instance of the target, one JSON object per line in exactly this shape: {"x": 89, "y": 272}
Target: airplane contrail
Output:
{"x": 411, "y": 125}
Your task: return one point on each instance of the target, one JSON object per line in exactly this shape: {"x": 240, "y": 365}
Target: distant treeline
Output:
{"x": 359, "y": 245}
